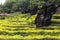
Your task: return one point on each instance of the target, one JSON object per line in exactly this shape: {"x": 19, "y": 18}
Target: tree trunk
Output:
{"x": 44, "y": 17}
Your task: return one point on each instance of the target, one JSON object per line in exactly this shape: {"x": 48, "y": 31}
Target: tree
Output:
{"x": 45, "y": 14}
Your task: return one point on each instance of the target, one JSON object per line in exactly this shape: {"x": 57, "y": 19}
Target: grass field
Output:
{"x": 17, "y": 27}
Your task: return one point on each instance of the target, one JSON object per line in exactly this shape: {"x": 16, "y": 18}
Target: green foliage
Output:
{"x": 21, "y": 5}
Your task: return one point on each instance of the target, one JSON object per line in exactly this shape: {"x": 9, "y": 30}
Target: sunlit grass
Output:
{"x": 18, "y": 23}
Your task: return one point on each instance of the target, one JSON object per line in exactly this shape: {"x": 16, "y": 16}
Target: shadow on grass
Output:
{"x": 56, "y": 17}
{"x": 55, "y": 23}
{"x": 47, "y": 39}
{"x": 33, "y": 39}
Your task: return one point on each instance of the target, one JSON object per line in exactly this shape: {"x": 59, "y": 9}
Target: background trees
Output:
{"x": 22, "y": 5}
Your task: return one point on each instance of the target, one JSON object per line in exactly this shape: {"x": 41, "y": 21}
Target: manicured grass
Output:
{"x": 17, "y": 26}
